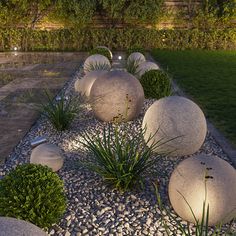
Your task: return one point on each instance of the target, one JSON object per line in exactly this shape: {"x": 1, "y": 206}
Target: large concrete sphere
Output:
{"x": 94, "y": 60}
{"x": 146, "y": 66}
{"x": 49, "y": 155}
{"x": 116, "y": 94}
{"x": 111, "y": 55}
{"x": 196, "y": 176}
{"x": 175, "y": 118}
{"x": 84, "y": 85}
{"x": 15, "y": 227}
{"x": 136, "y": 57}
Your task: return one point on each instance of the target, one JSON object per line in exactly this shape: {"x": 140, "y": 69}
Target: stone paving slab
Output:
{"x": 32, "y": 73}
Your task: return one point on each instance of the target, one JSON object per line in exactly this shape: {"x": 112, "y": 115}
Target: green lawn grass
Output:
{"x": 209, "y": 78}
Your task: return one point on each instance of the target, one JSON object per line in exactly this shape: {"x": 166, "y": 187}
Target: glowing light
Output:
{"x": 15, "y": 48}
{"x": 119, "y": 57}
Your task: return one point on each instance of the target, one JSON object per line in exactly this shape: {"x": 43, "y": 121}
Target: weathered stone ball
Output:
{"x": 110, "y": 52}
{"x": 204, "y": 178}
{"x": 136, "y": 57}
{"x": 146, "y": 66}
{"x": 116, "y": 95}
{"x": 12, "y": 227}
{"x": 49, "y": 155}
{"x": 178, "y": 123}
{"x": 96, "y": 62}
{"x": 84, "y": 85}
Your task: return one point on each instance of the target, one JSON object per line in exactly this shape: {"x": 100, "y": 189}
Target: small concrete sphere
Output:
{"x": 96, "y": 60}
{"x": 196, "y": 176}
{"x": 136, "y": 57}
{"x": 116, "y": 94}
{"x": 177, "y": 121}
{"x": 106, "y": 49}
{"x": 47, "y": 154}
{"x": 84, "y": 85}
{"x": 16, "y": 227}
{"x": 146, "y": 66}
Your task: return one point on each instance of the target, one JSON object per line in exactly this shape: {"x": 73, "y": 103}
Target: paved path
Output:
{"x": 23, "y": 79}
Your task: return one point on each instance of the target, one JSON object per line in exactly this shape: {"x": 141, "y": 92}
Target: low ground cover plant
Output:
{"x": 33, "y": 193}
{"x": 103, "y": 51}
{"x": 117, "y": 157}
{"x": 61, "y": 112}
{"x": 156, "y": 84}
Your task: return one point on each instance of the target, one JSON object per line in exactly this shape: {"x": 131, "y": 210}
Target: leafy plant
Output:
{"x": 102, "y": 51}
{"x": 97, "y": 66}
{"x": 60, "y": 113}
{"x": 156, "y": 84}
{"x": 33, "y": 193}
{"x": 117, "y": 157}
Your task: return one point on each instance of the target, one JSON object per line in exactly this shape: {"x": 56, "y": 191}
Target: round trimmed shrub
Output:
{"x": 102, "y": 51}
{"x": 33, "y": 193}
{"x": 156, "y": 84}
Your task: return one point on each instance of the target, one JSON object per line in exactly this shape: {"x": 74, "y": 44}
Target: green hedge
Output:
{"x": 86, "y": 39}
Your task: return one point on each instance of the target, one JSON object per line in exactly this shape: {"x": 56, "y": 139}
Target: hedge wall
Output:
{"x": 78, "y": 40}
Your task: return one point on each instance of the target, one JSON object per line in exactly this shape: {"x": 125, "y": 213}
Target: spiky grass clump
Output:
{"x": 117, "y": 157}
{"x": 97, "y": 66}
{"x": 61, "y": 112}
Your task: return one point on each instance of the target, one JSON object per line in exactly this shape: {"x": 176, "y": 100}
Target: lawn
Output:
{"x": 209, "y": 78}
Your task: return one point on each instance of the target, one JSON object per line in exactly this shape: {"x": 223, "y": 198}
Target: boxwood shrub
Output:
{"x": 120, "y": 39}
{"x": 156, "y": 84}
{"x": 33, "y": 193}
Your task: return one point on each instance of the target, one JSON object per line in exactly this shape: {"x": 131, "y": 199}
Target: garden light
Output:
{"x": 39, "y": 140}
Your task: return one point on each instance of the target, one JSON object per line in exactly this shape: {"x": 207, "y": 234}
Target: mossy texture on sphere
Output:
{"x": 33, "y": 193}
{"x": 156, "y": 84}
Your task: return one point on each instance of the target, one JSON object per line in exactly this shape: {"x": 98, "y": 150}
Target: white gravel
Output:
{"x": 94, "y": 208}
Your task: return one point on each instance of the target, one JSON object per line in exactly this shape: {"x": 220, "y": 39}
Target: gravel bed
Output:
{"x": 94, "y": 208}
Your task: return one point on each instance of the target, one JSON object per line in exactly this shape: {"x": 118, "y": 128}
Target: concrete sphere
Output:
{"x": 146, "y": 66}
{"x": 96, "y": 60}
{"x": 175, "y": 118}
{"x": 16, "y": 227}
{"x": 84, "y": 85}
{"x": 136, "y": 57}
{"x": 49, "y": 155}
{"x": 196, "y": 176}
{"x": 116, "y": 94}
{"x": 106, "y": 49}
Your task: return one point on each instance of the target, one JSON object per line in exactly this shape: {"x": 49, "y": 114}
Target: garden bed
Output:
{"x": 94, "y": 208}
